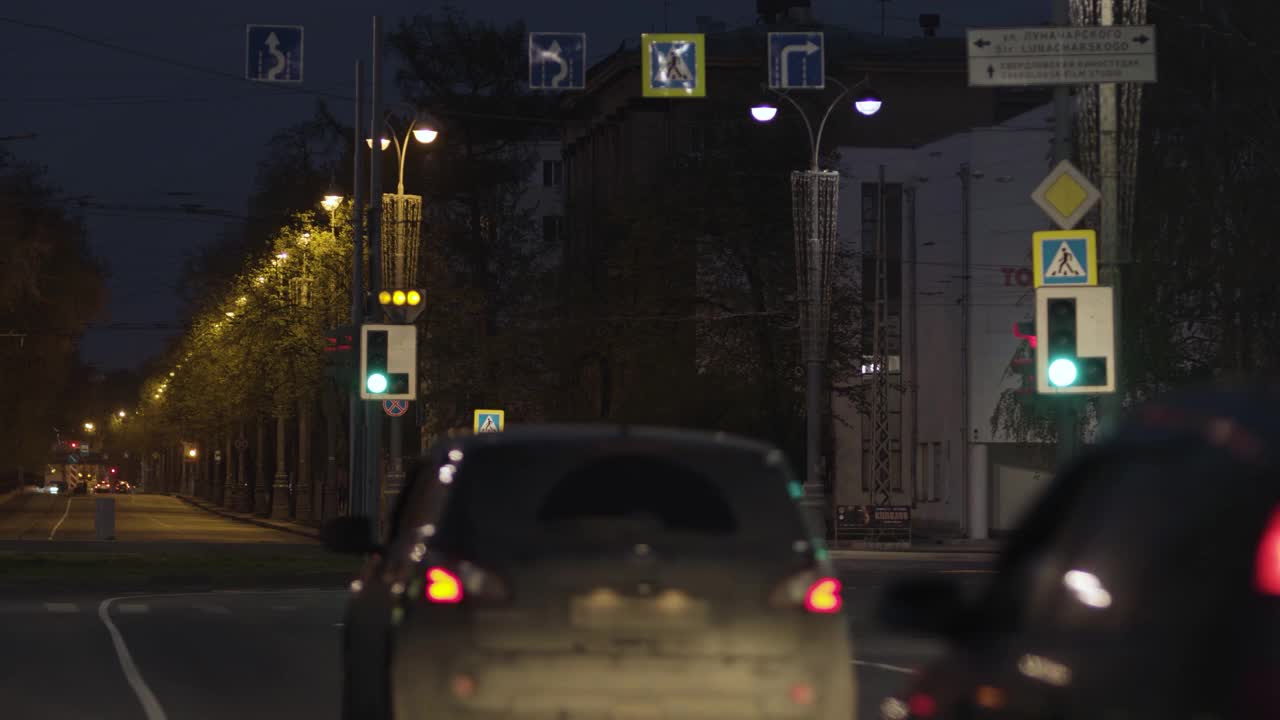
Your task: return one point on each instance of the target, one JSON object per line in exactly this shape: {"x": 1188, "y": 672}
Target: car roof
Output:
{"x": 1241, "y": 419}
{"x": 576, "y": 434}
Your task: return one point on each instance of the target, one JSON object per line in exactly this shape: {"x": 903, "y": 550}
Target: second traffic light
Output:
{"x": 1075, "y": 346}
{"x": 388, "y": 362}
{"x": 401, "y": 306}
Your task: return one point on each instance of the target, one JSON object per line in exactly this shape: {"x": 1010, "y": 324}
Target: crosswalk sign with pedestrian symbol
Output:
{"x": 1064, "y": 258}
{"x": 674, "y": 65}
{"x": 489, "y": 421}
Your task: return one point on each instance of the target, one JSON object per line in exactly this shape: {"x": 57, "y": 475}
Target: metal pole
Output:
{"x": 373, "y": 414}
{"x": 1065, "y": 406}
{"x": 280, "y": 488}
{"x": 355, "y": 430}
{"x": 1110, "y": 252}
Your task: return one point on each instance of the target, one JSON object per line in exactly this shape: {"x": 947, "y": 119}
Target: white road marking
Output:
{"x": 211, "y": 608}
{"x": 161, "y": 523}
{"x": 884, "y": 666}
{"x": 61, "y": 607}
{"x": 133, "y": 608}
{"x": 63, "y": 519}
{"x": 339, "y": 625}
{"x": 150, "y": 705}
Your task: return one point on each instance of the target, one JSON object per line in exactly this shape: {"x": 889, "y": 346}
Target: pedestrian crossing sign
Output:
{"x": 1064, "y": 257}
{"x": 489, "y": 421}
{"x": 674, "y": 65}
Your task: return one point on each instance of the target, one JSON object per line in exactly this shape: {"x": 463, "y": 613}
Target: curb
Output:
{"x": 282, "y": 527}
{"x": 952, "y": 555}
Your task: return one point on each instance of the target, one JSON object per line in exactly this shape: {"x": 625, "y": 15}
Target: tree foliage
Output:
{"x": 50, "y": 290}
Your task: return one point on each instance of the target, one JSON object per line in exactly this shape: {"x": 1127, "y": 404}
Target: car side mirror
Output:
{"x": 931, "y": 606}
{"x": 350, "y": 535}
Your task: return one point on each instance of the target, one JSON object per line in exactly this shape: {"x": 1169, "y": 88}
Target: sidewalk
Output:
{"x": 282, "y": 525}
{"x": 954, "y": 550}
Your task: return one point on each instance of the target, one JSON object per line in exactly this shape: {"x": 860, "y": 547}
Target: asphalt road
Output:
{"x": 884, "y": 661}
{"x": 139, "y": 518}
{"x": 276, "y": 654}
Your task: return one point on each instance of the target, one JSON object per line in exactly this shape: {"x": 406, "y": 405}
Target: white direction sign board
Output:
{"x": 1076, "y": 55}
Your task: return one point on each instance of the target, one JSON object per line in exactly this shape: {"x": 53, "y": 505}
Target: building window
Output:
{"x": 938, "y": 489}
{"x": 552, "y": 173}
{"x": 923, "y": 468}
{"x": 552, "y": 226}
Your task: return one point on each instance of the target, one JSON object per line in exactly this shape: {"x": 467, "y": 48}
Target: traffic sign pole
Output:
{"x": 1063, "y": 128}
{"x": 1112, "y": 254}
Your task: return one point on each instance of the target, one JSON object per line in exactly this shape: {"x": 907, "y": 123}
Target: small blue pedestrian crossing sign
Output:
{"x": 674, "y": 65}
{"x": 796, "y": 60}
{"x": 489, "y": 421}
{"x": 557, "y": 61}
{"x": 1064, "y": 257}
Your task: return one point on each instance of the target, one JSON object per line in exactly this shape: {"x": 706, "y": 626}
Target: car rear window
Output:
{"x": 510, "y": 499}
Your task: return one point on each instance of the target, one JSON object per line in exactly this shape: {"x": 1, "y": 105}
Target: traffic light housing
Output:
{"x": 388, "y": 362}
{"x": 402, "y": 305}
{"x": 1075, "y": 342}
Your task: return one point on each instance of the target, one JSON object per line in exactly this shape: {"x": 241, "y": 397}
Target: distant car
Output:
{"x": 596, "y": 572}
{"x": 1144, "y": 584}
{"x": 56, "y": 487}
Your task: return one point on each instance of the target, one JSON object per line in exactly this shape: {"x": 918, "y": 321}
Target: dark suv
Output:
{"x": 597, "y": 572}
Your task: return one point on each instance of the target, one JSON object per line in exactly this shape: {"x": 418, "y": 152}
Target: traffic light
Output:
{"x": 1063, "y": 371}
{"x": 401, "y": 306}
{"x": 388, "y": 362}
{"x": 1075, "y": 348}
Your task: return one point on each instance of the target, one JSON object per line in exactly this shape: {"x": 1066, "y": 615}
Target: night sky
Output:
{"x": 165, "y": 117}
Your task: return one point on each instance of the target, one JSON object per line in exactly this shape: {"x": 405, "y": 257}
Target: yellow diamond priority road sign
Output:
{"x": 1066, "y": 195}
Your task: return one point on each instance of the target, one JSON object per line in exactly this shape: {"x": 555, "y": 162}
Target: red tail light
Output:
{"x": 463, "y": 580}
{"x": 443, "y": 586}
{"x": 815, "y": 593}
{"x": 1266, "y": 574}
{"x": 922, "y": 705}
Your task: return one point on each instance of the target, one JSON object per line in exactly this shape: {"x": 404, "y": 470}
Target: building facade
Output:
{"x": 958, "y": 223}
{"x": 617, "y": 144}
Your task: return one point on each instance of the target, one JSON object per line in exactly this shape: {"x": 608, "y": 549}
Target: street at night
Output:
{"x": 138, "y": 518}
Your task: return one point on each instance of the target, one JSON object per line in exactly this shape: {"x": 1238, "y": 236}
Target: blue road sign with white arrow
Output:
{"x": 273, "y": 53}
{"x": 557, "y": 61}
{"x": 796, "y": 60}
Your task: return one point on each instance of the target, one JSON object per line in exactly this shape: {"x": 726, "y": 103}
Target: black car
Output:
{"x": 596, "y": 572}
{"x": 1145, "y": 583}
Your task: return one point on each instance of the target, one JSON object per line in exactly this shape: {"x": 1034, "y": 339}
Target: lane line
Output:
{"x": 61, "y": 607}
{"x": 134, "y": 608}
{"x": 211, "y": 608}
{"x": 150, "y": 705}
{"x": 884, "y": 666}
{"x": 64, "y": 517}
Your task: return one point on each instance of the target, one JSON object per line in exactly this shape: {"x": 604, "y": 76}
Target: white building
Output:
{"x": 959, "y": 220}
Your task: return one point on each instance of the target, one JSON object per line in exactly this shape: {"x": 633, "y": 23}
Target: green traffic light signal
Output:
{"x": 1062, "y": 370}
{"x": 375, "y": 379}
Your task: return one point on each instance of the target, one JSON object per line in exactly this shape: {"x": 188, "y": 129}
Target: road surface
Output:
{"x": 275, "y": 654}
{"x": 139, "y": 518}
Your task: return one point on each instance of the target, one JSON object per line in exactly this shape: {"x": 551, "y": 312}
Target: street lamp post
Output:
{"x": 402, "y": 225}
{"x": 815, "y": 245}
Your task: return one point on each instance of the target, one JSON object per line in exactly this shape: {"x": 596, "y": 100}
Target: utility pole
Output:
{"x": 1110, "y": 251}
{"x": 373, "y": 413}
{"x": 1065, "y": 407}
{"x": 356, "y": 444}
{"x": 880, "y": 452}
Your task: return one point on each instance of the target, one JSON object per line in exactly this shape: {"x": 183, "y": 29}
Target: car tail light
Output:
{"x": 443, "y": 586}
{"x": 802, "y": 694}
{"x": 815, "y": 593}
{"x": 922, "y": 705}
{"x": 1266, "y": 574}
{"x": 463, "y": 580}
